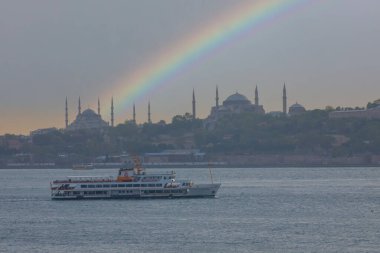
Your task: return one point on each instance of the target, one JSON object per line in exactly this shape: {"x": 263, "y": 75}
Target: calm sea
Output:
{"x": 257, "y": 210}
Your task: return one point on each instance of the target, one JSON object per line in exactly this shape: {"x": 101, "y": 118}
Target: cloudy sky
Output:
{"x": 327, "y": 52}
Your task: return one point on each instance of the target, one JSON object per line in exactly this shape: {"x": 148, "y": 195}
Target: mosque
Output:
{"x": 234, "y": 104}
{"x": 238, "y": 103}
{"x": 88, "y": 119}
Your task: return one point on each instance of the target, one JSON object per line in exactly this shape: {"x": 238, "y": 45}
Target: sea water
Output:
{"x": 256, "y": 210}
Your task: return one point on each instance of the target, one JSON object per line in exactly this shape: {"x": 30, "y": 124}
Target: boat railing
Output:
{"x": 84, "y": 179}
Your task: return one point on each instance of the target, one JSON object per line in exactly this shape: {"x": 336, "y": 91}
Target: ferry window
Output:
{"x": 159, "y": 191}
{"x": 151, "y": 191}
{"x": 129, "y": 185}
{"x": 91, "y": 186}
{"x": 83, "y": 186}
{"x": 113, "y": 185}
{"x": 106, "y": 186}
{"x": 121, "y": 185}
{"x": 75, "y": 193}
{"x": 143, "y": 185}
{"x": 151, "y": 185}
{"x": 158, "y": 185}
{"x": 98, "y": 186}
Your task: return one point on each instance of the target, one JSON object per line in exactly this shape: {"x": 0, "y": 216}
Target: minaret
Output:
{"x": 194, "y": 112}
{"x": 217, "y": 98}
{"x": 98, "y": 106}
{"x": 112, "y": 115}
{"x": 79, "y": 107}
{"x": 284, "y": 107}
{"x": 256, "y": 96}
{"x": 134, "y": 113}
{"x": 66, "y": 114}
{"x": 149, "y": 119}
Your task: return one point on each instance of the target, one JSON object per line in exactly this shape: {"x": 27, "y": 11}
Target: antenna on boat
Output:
{"x": 137, "y": 163}
{"x": 209, "y": 168}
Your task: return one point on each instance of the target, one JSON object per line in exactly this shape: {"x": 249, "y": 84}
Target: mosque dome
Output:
{"x": 296, "y": 105}
{"x": 236, "y": 98}
{"x": 296, "y": 109}
{"x": 89, "y": 113}
{"x": 88, "y": 119}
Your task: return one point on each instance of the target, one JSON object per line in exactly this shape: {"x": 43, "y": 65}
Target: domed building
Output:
{"x": 234, "y": 104}
{"x": 237, "y": 101}
{"x": 296, "y": 109}
{"x": 88, "y": 119}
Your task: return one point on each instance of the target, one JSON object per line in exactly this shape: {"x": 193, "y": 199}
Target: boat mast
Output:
{"x": 209, "y": 168}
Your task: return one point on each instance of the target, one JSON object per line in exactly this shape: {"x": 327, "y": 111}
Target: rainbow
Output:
{"x": 193, "y": 47}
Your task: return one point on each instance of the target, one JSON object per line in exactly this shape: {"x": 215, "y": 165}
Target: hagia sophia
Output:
{"x": 238, "y": 103}
{"x": 233, "y": 104}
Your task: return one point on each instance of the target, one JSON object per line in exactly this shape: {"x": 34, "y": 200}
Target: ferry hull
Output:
{"x": 196, "y": 191}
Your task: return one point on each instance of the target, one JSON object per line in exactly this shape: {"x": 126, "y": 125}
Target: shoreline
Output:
{"x": 231, "y": 166}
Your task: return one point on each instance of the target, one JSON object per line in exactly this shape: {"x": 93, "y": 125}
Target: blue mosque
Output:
{"x": 88, "y": 119}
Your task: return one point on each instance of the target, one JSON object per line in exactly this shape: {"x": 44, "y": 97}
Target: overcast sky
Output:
{"x": 327, "y": 53}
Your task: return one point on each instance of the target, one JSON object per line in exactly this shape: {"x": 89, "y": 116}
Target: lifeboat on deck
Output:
{"x": 124, "y": 179}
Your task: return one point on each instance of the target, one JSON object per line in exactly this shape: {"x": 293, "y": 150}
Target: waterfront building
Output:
{"x": 174, "y": 156}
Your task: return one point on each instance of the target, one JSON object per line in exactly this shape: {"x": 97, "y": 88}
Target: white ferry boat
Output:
{"x": 130, "y": 183}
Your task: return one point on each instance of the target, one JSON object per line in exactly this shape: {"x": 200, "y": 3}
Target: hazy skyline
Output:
{"x": 326, "y": 52}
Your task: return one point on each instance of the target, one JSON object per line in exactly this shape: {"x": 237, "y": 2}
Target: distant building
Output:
{"x": 276, "y": 114}
{"x": 14, "y": 144}
{"x": 88, "y": 119}
{"x": 296, "y": 109}
{"x": 372, "y": 113}
{"x": 175, "y": 156}
{"x": 43, "y": 131}
{"x": 234, "y": 104}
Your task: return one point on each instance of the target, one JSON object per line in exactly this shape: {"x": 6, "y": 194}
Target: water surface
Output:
{"x": 257, "y": 210}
